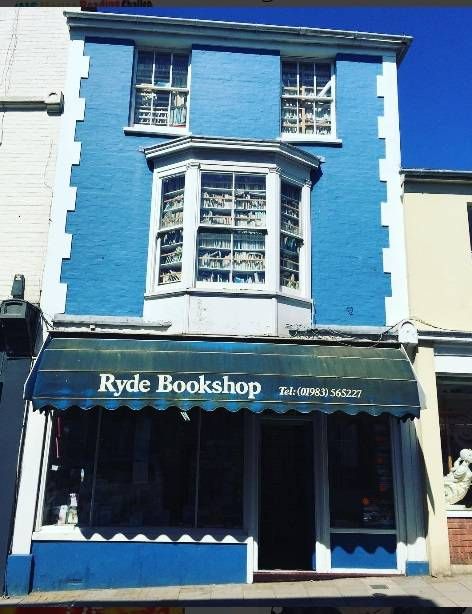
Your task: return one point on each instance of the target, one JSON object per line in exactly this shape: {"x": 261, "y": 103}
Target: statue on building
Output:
{"x": 457, "y": 482}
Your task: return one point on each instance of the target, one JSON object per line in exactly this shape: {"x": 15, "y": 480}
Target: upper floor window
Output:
{"x": 161, "y": 89}
{"x": 307, "y": 101}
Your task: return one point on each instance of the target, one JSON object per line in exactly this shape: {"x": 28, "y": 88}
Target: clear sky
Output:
{"x": 435, "y": 78}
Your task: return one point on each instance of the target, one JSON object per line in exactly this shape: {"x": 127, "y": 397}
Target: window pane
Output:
{"x": 179, "y": 71}
{"x": 289, "y": 78}
{"x": 250, "y": 200}
{"x": 323, "y": 117}
{"x": 214, "y": 257}
{"x": 144, "y": 67}
{"x": 290, "y": 262}
{"x": 360, "y": 471}
{"x": 170, "y": 261}
{"x": 70, "y": 467}
{"x": 160, "y": 112}
{"x": 178, "y": 109}
{"x": 162, "y": 69}
{"x": 249, "y": 258}
{"x": 323, "y": 76}
{"x": 220, "y": 494}
{"x": 306, "y": 121}
{"x": 289, "y": 116}
{"x": 217, "y": 198}
{"x": 307, "y": 79}
{"x": 146, "y": 469}
{"x": 143, "y": 107}
{"x": 290, "y": 208}
{"x": 172, "y": 202}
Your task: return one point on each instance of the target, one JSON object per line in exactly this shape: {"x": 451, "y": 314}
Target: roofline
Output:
{"x": 429, "y": 174}
{"x": 204, "y": 142}
{"x": 395, "y": 43}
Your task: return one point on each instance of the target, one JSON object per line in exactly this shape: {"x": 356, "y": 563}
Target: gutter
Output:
{"x": 262, "y": 33}
{"x": 436, "y": 175}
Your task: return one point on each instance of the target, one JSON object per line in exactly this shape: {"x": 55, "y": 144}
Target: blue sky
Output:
{"x": 435, "y": 78}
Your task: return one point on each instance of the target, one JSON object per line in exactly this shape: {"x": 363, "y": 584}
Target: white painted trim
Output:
{"x": 307, "y": 138}
{"x": 459, "y": 513}
{"x": 394, "y": 256}
{"x": 284, "y": 150}
{"x": 453, "y": 364}
{"x": 250, "y": 491}
{"x": 110, "y": 534}
{"x": 322, "y": 513}
{"x": 53, "y": 298}
{"x": 144, "y": 129}
{"x": 366, "y": 571}
{"x": 29, "y": 482}
{"x": 412, "y": 492}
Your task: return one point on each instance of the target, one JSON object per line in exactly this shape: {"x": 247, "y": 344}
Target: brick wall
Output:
{"x": 460, "y": 540}
{"x": 33, "y": 57}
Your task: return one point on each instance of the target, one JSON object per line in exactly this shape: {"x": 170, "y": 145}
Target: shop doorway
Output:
{"x": 286, "y": 504}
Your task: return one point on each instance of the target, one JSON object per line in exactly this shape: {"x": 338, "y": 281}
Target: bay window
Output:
{"x": 229, "y": 217}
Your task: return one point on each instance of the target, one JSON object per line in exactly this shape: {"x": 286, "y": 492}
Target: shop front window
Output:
{"x": 149, "y": 468}
{"x": 360, "y": 472}
{"x": 455, "y": 421}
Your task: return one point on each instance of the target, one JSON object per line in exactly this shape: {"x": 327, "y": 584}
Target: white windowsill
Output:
{"x": 459, "y": 513}
{"x": 138, "y": 534}
{"x": 156, "y": 130}
{"x": 310, "y": 138}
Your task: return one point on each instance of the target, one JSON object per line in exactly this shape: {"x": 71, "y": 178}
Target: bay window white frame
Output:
{"x": 193, "y": 170}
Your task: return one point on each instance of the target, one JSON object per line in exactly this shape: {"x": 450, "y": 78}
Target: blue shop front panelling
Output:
{"x": 363, "y": 551}
{"x": 62, "y": 565}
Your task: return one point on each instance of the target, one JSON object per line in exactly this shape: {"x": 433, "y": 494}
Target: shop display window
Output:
{"x": 455, "y": 421}
{"x": 360, "y": 472}
{"x": 147, "y": 468}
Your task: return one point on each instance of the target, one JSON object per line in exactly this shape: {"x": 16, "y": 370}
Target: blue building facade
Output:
{"x": 234, "y": 187}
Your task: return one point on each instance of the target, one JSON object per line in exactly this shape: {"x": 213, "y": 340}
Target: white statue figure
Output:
{"x": 457, "y": 482}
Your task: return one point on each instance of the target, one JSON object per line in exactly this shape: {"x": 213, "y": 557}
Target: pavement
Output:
{"x": 411, "y": 591}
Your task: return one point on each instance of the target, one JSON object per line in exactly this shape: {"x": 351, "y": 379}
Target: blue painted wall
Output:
{"x": 363, "y": 551}
{"x": 58, "y": 566}
{"x": 349, "y": 285}
{"x": 233, "y": 93}
{"x": 107, "y": 269}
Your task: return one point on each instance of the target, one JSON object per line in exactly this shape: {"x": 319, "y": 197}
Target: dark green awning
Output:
{"x": 93, "y": 371}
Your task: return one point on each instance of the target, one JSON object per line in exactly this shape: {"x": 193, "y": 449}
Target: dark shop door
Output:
{"x": 286, "y": 509}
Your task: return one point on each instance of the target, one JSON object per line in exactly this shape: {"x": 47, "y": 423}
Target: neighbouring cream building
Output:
{"x": 438, "y": 218}
{"x": 33, "y": 58}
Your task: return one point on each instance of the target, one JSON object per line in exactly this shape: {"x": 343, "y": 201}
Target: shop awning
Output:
{"x": 94, "y": 371}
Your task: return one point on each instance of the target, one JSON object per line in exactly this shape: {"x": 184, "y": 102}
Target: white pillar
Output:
{"x": 30, "y": 472}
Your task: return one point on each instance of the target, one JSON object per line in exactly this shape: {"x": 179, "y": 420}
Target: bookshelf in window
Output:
{"x": 172, "y": 202}
{"x": 233, "y": 199}
{"x": 170, "y": 258}
{"x": 231, "y": 257}
{"x": 290, "y": 241}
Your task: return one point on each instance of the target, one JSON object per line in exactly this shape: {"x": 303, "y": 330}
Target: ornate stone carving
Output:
{"x": 457, "y": 482}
